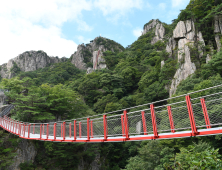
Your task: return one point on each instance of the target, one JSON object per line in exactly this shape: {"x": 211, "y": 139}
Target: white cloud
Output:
{"x": 117, "y": 8}
{"x": 162, "y": 6}
{"x": 83, "y": 26}
{"x": 137, "y": 32}
{"x": 179, "y": 3}
{"x": 37, "y": 25}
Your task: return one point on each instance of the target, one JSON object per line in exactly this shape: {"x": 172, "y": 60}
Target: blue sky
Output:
{"x": 58, "y": 26}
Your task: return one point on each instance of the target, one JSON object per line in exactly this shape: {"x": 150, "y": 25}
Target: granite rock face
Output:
{"x": 78, "y": 57}
{"x": 218, "y": 24}
{"x": 28, "y": 61}
{"x": 158, "y": 29}
{"x": 180, "y": 30}
{"x": 186, "y": 69}
{"x": 2, "y": 98}
{"x": 25, "y": 152}
{"x": 93, "y": 53}
{"x": 217, "y": 39}
{"x": 185, "y": 35}
{"x": 159, "y": 33}
{"x": 171, "y": 45}
{"x": 152, "y": 23}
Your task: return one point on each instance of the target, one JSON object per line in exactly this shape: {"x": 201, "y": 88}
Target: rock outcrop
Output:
{"x": 180, "y": 30}
{"x": 218, "y": 24}
{"x": 2, "y": 98}
{"x": 185, "y": 35}
{"x": 218, "y": 30}
{"x": 217, "y": 39}
{"x": 158, "y": 29}
{"x": 91, "y": 54}
{"x": 187, "y": 68}
{"x": 170, "y": 47}
{"x": 159, "y": 33}
{"x": 25, "y": 152}
{"x": 150, "y": 25}
{"x": 28, "y": 61}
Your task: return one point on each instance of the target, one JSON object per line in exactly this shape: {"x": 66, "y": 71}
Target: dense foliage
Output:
{"x": 134, "y": 76}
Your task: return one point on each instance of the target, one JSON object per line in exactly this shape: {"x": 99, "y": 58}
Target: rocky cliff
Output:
{"x": 183, "y": 34}
{"x": 89, "y": 56}
{"x": 25, "y": 152}
{"x": 158, "y": 28}
{"x": 218, "y": 30}
{"x": 27, "y": 61}
{"x": 185, "y": 38}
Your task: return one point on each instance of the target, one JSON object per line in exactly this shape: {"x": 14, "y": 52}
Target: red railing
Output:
{"x": 183, "y": 116}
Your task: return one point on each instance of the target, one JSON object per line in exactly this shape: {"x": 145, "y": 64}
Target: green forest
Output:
{"x": 134, "y": 77}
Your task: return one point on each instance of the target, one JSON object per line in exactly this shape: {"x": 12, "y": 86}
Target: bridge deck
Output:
{"x": 183, "y": 116}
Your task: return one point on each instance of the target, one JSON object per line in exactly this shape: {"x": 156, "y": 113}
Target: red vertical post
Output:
{"x": 47, "y": 132}
{"x": 17, "y": 126}
{"x": 29, "y": 131}
{"x": 171, "y": 119}
{"x": 91, "y": 122}
{"x": 33, "y": 128}
{"x": 61, "y": 130}
{"x": 54, "y": 133}
{"x": 144, "y": 123}
{"x": 24, "y": 130}
{"x": 74, "y": 129}
{"x": 123, "y": 127}
{"x": 206, "y": 117}
{"x": 64, "y": 130}
{"x": 70, "y": 130}
{"x": 88, "y": 128}
{"x": 80, "y": 130}
{"x": 41, "y": 131}
{"x": 19, "y": 129}
{"x": 191, "y": 116}
{"x": 105, "y": 127}
{"x": 8, "y": 124}
{"x": 155, "y": 132}
{"x": 13, "y": 130}
{"x": 126, "y": 124}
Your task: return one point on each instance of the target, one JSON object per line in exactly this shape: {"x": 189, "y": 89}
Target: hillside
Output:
{"x": 102, "y": 76}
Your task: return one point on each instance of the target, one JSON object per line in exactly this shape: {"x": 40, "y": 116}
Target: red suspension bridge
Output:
{"x": 195, "y": 114}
